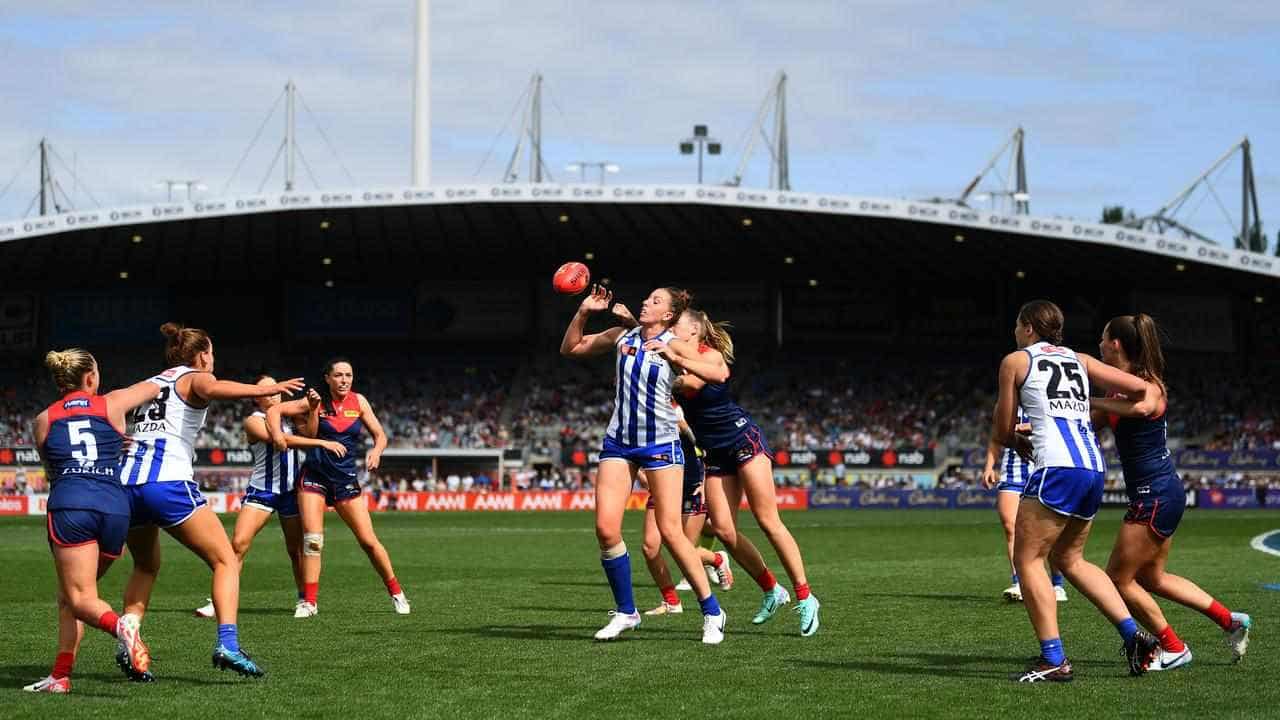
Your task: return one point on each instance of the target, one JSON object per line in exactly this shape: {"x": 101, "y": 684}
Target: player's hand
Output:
{"x": 288, "y": 387}
{"x": 336, "y": 448}
{"x": 622, "y": 313}
{"x": 1022, "y": 428}
{"x": 990, "y": 478}
{"x": 313, "y": 399}
{"x": 660, "y": 347}
{"x": 372, "y": 460}
{"x": 697, "y": 492}
{"x": 598, "y": 300}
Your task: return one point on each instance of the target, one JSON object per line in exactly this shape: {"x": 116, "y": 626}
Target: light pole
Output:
{"x": 188, "y": 185}
{"x": 580, "y": 166}
{"x": 701, "y": 139}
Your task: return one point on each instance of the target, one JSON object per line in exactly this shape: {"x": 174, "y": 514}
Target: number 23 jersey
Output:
{"x": 1055, "y": 398}
{"x": 164, "y": 434}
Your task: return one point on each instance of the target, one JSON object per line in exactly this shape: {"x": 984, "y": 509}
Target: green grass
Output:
{"x": 505, "y": 606}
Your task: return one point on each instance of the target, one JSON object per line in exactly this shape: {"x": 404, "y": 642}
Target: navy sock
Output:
{"x": 1128, "y": 628}
{"x": 618, "y": 571}
{"x": 1057, "y": 581}
{"x": 228, "y": 637}
{"x": 710, "y": 606}
{"x": 1015, "y": 578}
{"x": 1051, "y": 650}
{"x": 302, "y": 595}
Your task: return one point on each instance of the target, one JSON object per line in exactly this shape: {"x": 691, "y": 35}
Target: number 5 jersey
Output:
{"x": 164, "y": 434}
{"x": 81, "y": 452}
{"x": 1055, "y": 397}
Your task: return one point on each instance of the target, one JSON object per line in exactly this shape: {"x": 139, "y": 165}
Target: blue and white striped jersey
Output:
{"x": 1013, "y": 469}
{"x": 643, "y": 414}
{"x": 273, "y": 470}
{"x": 164, "y": 434}
{"x": 1055, "y": 397}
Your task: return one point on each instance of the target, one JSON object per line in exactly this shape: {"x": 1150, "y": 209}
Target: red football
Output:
{"x": 571, "y": 279}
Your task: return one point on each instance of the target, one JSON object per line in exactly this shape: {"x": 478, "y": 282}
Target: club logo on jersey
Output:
{"x": 627, "y": 349}
{"x": 76, "y": 403}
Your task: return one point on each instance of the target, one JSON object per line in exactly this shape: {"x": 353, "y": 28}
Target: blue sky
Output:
{"x": 1123, "y": 102}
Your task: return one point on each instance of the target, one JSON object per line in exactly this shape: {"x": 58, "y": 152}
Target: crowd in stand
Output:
{"x": 557, "y": 411}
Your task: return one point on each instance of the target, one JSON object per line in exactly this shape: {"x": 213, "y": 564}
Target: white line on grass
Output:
{"x": 1260, "y": 543}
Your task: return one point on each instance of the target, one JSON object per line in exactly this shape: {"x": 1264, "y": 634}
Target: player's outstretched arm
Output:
{"x": 709, "y": 365}
{"x": 577, "y": 345}
{"x": 255, "y": 428}
{"x": 1113, "y": 379}
{"x": 1148, "y": 406}
{"x": 208, "y": 387}
{"x": 120, "y": 402}
{"x": 274, "y": 428}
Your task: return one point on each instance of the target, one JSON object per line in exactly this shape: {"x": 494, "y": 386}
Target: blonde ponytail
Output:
{"x": 68, "y": 367}
{"x": 715, "y": 335}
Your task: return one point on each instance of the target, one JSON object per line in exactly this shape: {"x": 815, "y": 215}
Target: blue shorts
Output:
{"x": 646, "y": 457}
{"x": 164, "y": 504}
{"x": 334, "y": 490}
{"x": 691, "y": 502}
{"x": 285, "y": 503}
{"x": 1067, "y": 491}
{"x": 71, "y": 528}
{"x": 726, "y": 460}
{"x": 1158, "y": 504}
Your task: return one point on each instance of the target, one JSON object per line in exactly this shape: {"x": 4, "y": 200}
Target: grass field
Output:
{"x": 505, "y": 606}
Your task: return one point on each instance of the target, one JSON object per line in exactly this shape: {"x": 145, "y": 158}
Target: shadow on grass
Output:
{"x": 21, "y": 675}
{"x": 986, "y": 599}
{"x": 241, "y": 611}
{"x": 572, "y": 633}
{"x": 571, "y": 583}
{"x": 547, "y": 608}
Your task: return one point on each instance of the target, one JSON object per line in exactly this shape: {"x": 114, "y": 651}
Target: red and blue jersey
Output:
{"x": 339, "y": 422}
{"x": 82, "y": 453}
{"x": 717, "y": 420}
{"x": 1142, "y": 444}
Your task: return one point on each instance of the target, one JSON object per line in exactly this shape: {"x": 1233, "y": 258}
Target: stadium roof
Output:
{"x": 481, "y": 231}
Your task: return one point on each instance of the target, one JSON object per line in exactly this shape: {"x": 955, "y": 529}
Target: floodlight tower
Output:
{"x": 701, "y": 140}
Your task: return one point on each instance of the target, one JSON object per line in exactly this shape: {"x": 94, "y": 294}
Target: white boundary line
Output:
{"x": 1260, "y": 543}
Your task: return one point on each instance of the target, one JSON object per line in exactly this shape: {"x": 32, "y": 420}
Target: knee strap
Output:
{"x": 312, "y": 543}
{"x": 616, "y": 551}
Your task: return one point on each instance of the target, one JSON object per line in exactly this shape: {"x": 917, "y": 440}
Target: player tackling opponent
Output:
{"x": 1051, "y": 383}
{"x": 642, "y": 434}
{"x": 738, "y": 460}
{"x": 1156, "y": 497}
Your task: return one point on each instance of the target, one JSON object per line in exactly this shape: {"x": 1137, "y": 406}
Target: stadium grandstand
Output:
{"x": 870, "y": 330}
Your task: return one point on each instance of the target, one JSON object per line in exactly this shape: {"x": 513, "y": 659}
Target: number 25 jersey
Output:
{"x": 1055, "y": 398}
{"x": 164, "y": 434}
